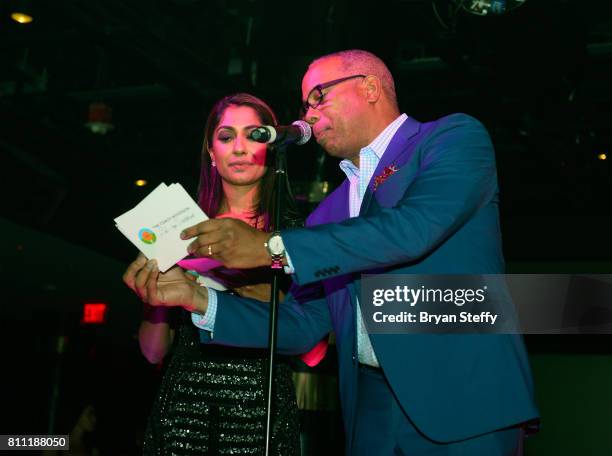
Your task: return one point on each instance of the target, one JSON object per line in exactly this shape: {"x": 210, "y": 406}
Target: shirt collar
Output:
{"x": 378, "y": 145}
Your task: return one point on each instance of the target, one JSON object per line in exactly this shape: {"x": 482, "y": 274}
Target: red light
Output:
{"x": 94, "y": 314}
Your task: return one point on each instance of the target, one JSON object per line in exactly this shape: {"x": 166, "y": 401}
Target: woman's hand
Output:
{"x": 172, "y": 288}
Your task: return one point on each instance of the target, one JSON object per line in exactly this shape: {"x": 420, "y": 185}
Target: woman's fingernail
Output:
{"x": 183, "y": 235}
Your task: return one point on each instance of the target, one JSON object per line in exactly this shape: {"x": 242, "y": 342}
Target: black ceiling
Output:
{"x": 538, "y": 77}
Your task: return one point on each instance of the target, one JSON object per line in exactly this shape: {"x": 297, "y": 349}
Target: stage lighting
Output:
{"x": 490, "y": 7}
{"x": 22, "y": 18}
{"x": 140, "y": 183}
{"x": 21, "y": 11}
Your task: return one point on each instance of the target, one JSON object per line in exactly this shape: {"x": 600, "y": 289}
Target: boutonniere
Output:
{"x": 388, "y": 171}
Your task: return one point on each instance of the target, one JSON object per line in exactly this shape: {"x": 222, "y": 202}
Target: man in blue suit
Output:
{"x": 419, "y": 198}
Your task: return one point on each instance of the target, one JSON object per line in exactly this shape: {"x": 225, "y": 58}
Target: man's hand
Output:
{"x": 233, "y": 242}
{"x": 172, "y": 288}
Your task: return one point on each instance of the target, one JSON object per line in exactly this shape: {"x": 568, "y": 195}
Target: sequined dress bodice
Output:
{"x": 211, "y": 401}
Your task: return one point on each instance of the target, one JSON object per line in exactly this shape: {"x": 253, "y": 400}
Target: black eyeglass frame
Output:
{"x": 320, "y": 87}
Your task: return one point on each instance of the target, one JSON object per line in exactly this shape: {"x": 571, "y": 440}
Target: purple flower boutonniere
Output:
{"x": 388, "y": 171}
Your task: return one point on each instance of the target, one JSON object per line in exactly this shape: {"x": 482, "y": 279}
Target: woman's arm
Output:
{"x": 155, "y": 335}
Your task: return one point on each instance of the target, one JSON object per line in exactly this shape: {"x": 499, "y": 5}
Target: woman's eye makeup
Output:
{"x": 225, "y": 136}
{"x": 248, "y": 134}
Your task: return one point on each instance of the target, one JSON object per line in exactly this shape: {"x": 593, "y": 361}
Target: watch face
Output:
{"x": 276, "y": 245}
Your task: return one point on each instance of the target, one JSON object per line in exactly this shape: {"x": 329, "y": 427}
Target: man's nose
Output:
{"x": 311, "y": 116}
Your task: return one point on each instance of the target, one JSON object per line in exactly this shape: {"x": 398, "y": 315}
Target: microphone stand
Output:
{"x": 279, "y": 195}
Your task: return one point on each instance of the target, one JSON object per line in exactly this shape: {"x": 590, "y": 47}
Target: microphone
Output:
{"x": 299, "y": 132}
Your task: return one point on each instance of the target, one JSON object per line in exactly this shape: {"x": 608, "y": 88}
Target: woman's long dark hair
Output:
{"x": 210, "y": 190}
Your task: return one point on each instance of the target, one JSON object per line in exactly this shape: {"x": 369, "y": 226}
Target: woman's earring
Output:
{"x": 212, "y": 163}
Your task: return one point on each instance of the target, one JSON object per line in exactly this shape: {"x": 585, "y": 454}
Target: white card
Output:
{"x": 155, "y": 224}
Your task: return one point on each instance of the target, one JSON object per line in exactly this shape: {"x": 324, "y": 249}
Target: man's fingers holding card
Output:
{"x": 228, "y": 240}
{"x": 206, "y": 244}
{"x": 206, "y": 227}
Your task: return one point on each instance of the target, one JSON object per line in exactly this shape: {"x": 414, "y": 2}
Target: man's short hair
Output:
{"x": 357, "y": 61}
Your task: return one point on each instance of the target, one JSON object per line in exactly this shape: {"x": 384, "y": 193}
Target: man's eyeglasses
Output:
{"x": 315, "y": 97}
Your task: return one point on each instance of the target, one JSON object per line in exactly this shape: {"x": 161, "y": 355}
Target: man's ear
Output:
{"x": 373, "y": 88}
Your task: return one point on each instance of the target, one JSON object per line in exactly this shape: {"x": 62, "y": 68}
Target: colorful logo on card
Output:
{"x": 147, "y": 236}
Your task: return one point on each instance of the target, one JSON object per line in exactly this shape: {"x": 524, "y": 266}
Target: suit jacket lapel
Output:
{"x": 397, "y": 154}
{"x": 342, "y": 210}
{"x": 334, "y": 208}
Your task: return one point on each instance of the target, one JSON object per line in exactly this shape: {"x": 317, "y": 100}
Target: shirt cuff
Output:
{"x": 207, "y": 321}
{"x": 289, "y": 269}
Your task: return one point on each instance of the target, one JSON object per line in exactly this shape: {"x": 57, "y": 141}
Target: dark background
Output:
{"x": 538, "y": 77}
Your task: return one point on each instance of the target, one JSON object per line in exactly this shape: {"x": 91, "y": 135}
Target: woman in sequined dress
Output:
{"x": 211, "y": 399}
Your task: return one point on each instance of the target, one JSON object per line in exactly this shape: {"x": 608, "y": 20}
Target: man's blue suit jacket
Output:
{"x": 438, "y": 214}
